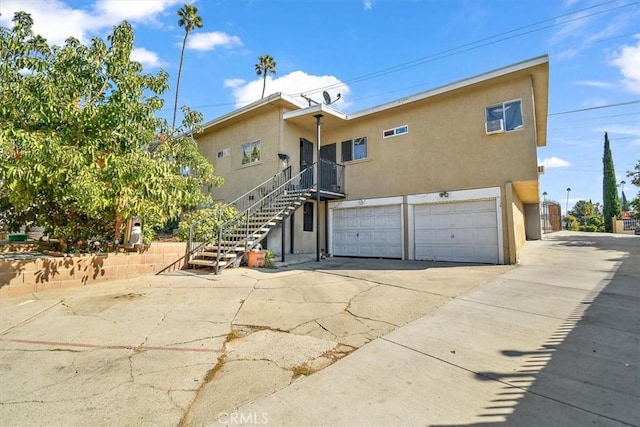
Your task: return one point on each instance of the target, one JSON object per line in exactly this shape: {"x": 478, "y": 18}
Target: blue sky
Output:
{"x": 375, "y": 51}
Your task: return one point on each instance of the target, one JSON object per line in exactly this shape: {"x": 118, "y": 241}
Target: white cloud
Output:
{"x": 48, "y": 15}
{"x": 594, "y": 102}
{"x": 132, "y": 10}
{"x": 554, "y": 162}
{"x": 582, "y": 31}
{"x": 81, "y": 23}
{"x": 293, "y": 84}
{"x": 627, "y": 59}
{"x": 147, "y": 58}
{"x": 594, "y": 83}
{"x": 233, "y": 83}
{"x": 368, "y": 4}
{"x": 211, "y": 40}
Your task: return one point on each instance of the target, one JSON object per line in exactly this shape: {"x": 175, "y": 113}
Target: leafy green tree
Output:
{"x": 635, "y": 180}
{"x": 585, "y": 216}
{"x": 266, "y": 64}
{"x": 571, "y": 223}
{"x": 81, "y": 149}
{"x": 189, "y": 19}
{"x": 610, "y": 198}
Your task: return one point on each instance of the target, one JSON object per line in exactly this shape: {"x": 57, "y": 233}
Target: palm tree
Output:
{"x": 265, "y": 66}
{"x": 189, "y": 19}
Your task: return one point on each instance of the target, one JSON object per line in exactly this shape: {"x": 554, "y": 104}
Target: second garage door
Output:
{"x": 460, "y": 232}
{"x": 374, "y": 231}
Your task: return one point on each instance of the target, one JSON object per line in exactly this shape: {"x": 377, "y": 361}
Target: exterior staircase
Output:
{"x": 259, "y": 211}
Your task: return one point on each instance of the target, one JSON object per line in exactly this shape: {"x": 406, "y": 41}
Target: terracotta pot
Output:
{"x": 255, "y": 259}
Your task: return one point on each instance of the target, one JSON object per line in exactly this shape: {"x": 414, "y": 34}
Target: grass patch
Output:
{"x": 301, "y": 370}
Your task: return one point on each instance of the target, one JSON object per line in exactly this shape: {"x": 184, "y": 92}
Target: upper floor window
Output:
{"x": 354, "y": 149}
{"x": 504, "y": 117}
{"x": 400, "y": 130}
{"x": 251, "y": 152}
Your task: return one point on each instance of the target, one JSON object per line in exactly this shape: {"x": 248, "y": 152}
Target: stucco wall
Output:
{"x": 532, "y": 226}
{"x": 519, "y": 225}
{"x": 264, "y": 127}
{"x": 446, "y": 147}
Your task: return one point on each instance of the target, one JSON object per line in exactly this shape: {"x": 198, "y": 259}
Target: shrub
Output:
{"x": 206, "y": 222}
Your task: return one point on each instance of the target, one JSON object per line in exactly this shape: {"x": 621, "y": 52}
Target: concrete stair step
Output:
{"x": 207, "y": 262}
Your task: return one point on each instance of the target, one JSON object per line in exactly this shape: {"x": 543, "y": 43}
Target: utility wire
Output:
{"x": 475, "y": 45}
{"x": 619, "y": 104}
{"x": 468, "y": 47}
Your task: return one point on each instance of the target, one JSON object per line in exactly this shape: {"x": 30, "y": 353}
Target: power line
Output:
{"x": 475, "y": 45}
{"x": 619, "y": 104}
{"x": 468, "y": 47}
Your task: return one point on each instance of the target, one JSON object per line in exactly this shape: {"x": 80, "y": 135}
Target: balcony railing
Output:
{"x": 331, "y": 176}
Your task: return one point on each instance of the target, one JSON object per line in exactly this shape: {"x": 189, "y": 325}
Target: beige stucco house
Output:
{"x": 449, "y": 174}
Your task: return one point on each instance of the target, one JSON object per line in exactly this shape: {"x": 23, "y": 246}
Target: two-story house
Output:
{"x": 449, "y": 174}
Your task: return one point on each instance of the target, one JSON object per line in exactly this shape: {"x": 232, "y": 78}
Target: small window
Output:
{"x": 251, "y": 153}
{"x": 510, "y": 113}
{"x": 400, "y": 130}
{"x": 224, "y": 153}
{"x": 354, "y": 149}
{"x": 308, "y": 217}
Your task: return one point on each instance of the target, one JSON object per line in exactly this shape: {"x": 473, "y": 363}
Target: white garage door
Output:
{"x": 460, "y": 232}
{"x": 374, "y": 231}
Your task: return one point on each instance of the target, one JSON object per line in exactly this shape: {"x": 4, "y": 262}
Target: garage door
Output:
{"x": 460, "y": 232}
{"x": 374, "y": 231}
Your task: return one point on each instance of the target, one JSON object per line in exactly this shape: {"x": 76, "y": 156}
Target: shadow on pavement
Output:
{"x": 589, "y": 369}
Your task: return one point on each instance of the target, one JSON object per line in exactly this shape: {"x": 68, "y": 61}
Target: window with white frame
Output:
{"x": 504, "y": 117}
{"x": 251, "y": 152}
{"x": 354, "y": 149}
{"x": 224, "y": 153}
{"x": 400, "y": 130}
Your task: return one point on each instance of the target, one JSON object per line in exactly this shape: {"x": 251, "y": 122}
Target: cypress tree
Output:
{"x": 610, "y": 197}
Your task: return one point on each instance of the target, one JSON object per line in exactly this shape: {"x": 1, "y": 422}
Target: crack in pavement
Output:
{"x": 30, "y": 317}
{"x": 385, "y": 284}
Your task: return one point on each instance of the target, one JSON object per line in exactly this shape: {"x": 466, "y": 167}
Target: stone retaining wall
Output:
{"x": 24, "y": 275}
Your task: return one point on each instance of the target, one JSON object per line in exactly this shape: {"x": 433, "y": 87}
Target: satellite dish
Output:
{"x": 327, "y": 98}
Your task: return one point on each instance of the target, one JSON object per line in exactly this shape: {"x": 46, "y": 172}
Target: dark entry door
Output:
{"x": 328, "y": 170}
{"x": 306, "y": 160}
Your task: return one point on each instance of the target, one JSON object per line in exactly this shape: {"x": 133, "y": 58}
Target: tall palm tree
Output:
{"x": 189, "y": 19}
{"x": 265, "y": 66}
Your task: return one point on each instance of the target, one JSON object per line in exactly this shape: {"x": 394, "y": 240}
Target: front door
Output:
{"x": 328, "y": 169}
{"x": 306, "y": 160}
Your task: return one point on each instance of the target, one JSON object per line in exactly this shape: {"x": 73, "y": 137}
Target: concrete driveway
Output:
{"x": 553, "y": 342}
{"x": 189, "y": 349}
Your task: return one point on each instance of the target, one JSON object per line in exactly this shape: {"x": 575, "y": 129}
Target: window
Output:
{"x": 354, "y": 149}
{"x": 509, "y": 112}
{"x": 400, "y": 130}
{"x": 224, "y": 153}
{"x": 251, "y": 153}
{"x": 308, "y": 217}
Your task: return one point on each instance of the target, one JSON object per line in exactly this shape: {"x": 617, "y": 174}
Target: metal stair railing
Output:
{"x": 198, "y": 242}
{"x": 243, "y": 232}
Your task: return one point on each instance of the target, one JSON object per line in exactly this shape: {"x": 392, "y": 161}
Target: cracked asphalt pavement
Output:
{"x": 184, "y": 348}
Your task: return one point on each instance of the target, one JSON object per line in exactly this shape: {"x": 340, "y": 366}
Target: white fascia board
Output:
{"x": 254, "y": 105}
{"x": 456, "y": 85}
{"x": 314, "y": 109}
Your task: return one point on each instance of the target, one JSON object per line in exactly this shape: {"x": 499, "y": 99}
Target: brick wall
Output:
{"x": 22, "y": 276}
